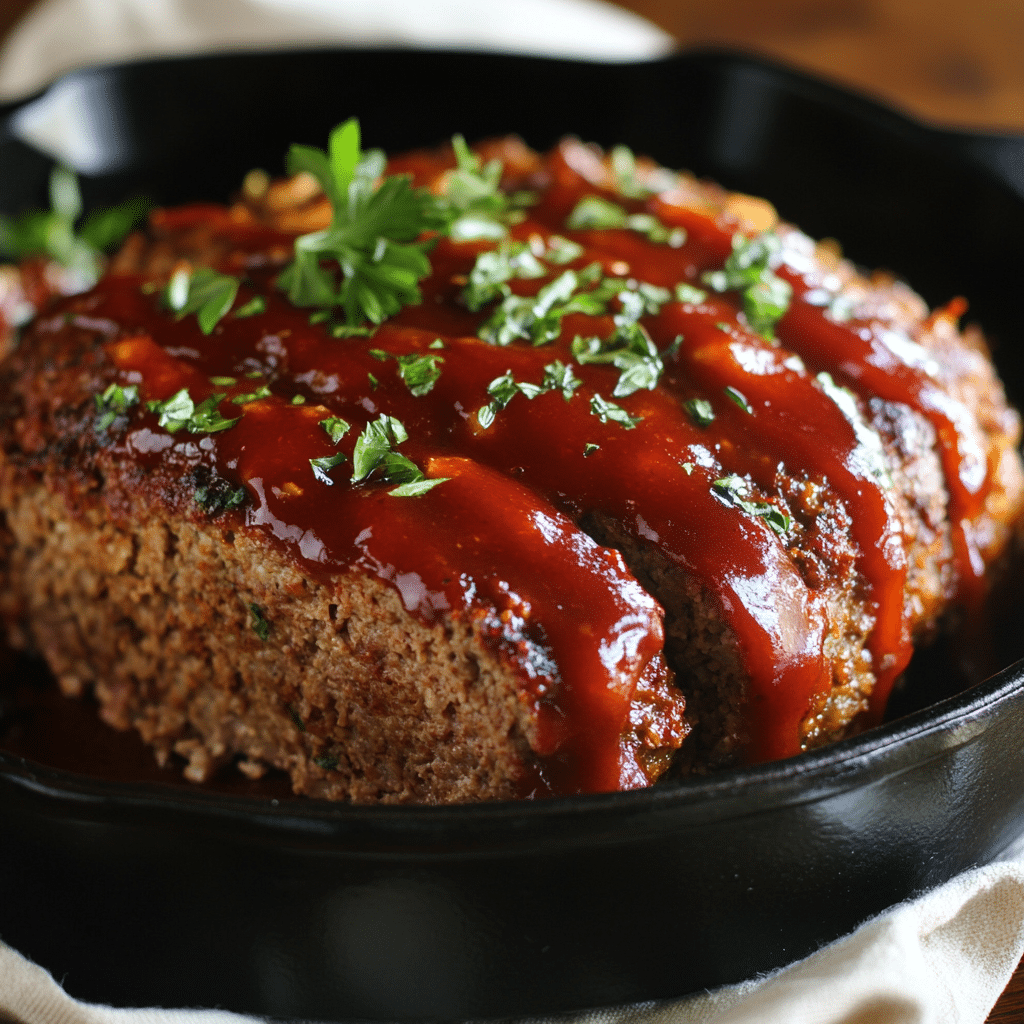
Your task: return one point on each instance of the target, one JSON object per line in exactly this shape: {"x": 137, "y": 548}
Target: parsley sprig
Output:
{"x": 766, "y": 296}
{"x": 371, "y": 237}
{"x": 62, "y": 235}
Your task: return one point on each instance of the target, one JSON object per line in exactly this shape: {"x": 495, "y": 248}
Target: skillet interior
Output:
{"x": 138, "y": 894}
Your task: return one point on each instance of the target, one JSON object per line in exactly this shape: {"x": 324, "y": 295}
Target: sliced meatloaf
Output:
{"x": 635, "y": 479}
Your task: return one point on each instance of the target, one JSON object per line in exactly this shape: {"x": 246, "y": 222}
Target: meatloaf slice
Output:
{"x": 643, "y": 393}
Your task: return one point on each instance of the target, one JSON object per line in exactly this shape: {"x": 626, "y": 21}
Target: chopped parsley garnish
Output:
{"x": 260, "y": 623}
{"x": 473, "y": 200}
{"x": 589, "y": 448}
{"x": 630, "y": 348}
{"x": 732, "y": 490}
{"x": 253, "y": 396}
{"x": 494, "y": 268}
{"x": 256, "y": 305}
{"x": 628, "y": 183}
{"x": 115, "y": 400}
{"x": 298, "y": 399}
{"x": 415, "y": 488}
{"x": 700, "y": 411}
{"x": 557, "y": 377}
{"x": 595, "y": 213}
{"x": 326, "y": 761}
{"x": 336, "y": 428}
{"x": 219, "y": 496}
{"x": 737, "y": 398}
{"x": 766, "y": 296}
{"x": 437, "y": 343}
{"x": 52, "y": 233}
{"x": 323, "y": 466}
{"x": 374, "y": 453}
{"x": 367, "y": 261}
{"x": 224, "y": 382}
{"x": 538, "y": 318}
{"x": 419, "y": 373}
{"x": 179, "y": 412}
{"x": 204, "y": 292}
{"x": 687, "y": 293}
{"x": 607, "y": 412}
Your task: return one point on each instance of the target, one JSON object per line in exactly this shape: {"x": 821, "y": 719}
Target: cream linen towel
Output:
{"x": 942, "y": 959}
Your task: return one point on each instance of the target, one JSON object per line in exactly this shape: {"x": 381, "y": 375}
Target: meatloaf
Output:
{"x": 486, "y": 474}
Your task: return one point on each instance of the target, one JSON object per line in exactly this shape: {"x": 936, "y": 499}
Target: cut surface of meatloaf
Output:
{"x": 645, "y": 483}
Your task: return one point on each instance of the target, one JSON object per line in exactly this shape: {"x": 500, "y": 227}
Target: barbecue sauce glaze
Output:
{"x": 499, "y": 539}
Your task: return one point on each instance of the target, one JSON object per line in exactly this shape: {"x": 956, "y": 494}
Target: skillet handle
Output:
{"x": 1002, "y": 156}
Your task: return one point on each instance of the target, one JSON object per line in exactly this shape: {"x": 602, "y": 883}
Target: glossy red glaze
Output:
{"x": 499, "y": 539}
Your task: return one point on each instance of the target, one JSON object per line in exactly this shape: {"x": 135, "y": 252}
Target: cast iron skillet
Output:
{"x": 137, "y": 894}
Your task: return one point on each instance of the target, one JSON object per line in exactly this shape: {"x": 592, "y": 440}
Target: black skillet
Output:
{"x": 137, "y": 893}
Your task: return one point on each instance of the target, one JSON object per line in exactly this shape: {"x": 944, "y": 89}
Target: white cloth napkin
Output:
{"x": 940, "y": 959}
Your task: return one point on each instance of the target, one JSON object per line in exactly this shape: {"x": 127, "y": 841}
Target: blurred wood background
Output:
{"x": 944, "y": 61}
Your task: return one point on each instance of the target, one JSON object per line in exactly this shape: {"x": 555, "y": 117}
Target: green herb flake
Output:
{"x": 252, "y": 396}
{"x": 733, "y": 489}
{"x": 592, "y": 213}
{"x": 323, "y": 466}
{"x": 688, "y": 293}
{"x": 328, "y": 762}
{"x": 256, "y": 305}
{"x": 437, "y": 343}
{"x": 589, "y": 448}
{"x": 766, "y": 296}
{"x": 296, "y": 720}
{"x": 379, "y": 354}
{"x": 374, "y": 383}
{"x": 298, "y": 399}
{"x": 224, "y": 382}
{"x": 204, "y": 292}
{"x": 607, "y": 412}
{"x": 737, "y": 398}
{"x": 415, "y": 488}
{"x": 220, "y": 496}
{"x": 700, "y": 411}
{"x": 115, "y": 400}
{"x": 473, "y": 204}
{"x": 419, "y": 373}
{"x": 336, "y": 428}
{"x": 179, "y": 412}
{"x": 374, "y": 444}
{"x": 260, "y": 623}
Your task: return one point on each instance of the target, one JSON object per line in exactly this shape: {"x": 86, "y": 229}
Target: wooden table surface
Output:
{"x": 941, "y": 60}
